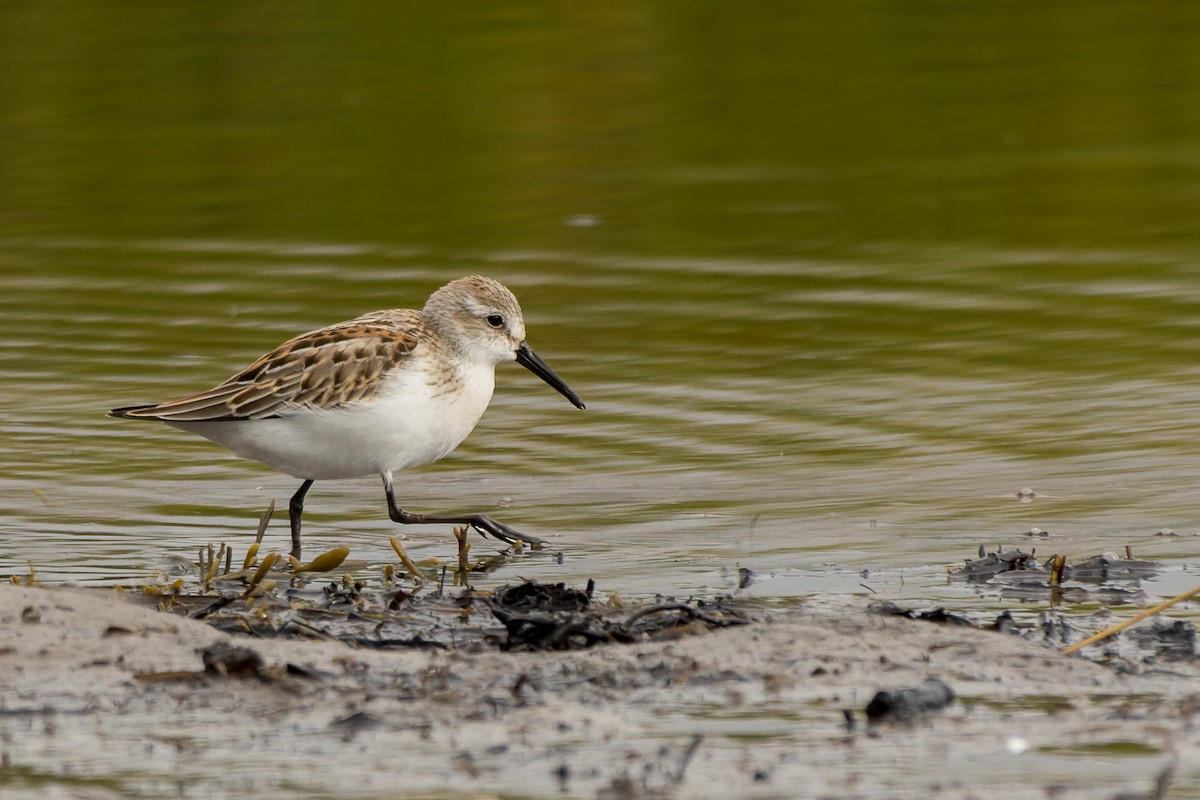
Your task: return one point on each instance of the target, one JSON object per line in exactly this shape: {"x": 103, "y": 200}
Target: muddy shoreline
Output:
{"x": 106, "y": 697}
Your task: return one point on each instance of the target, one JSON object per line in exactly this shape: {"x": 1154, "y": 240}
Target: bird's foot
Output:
{"x": 498, "y": 530}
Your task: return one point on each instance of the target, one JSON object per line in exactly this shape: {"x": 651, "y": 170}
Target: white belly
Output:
{"x": 405, "y": 425}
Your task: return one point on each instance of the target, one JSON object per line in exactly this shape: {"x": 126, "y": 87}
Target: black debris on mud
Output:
{"x": 525, "y": 616}
{"x": 910, "y": 703}
{"x": 888, "y": 608}
{"x": 1098, "y": 569}
{"x": 273, "y": 597}
{"x": 552, "y": 617}
{"x": 225, "y": 659}
{"x": 1169, "y": 640}
{"x": 1106, "y": 579}
{"x": 410, "y": 607}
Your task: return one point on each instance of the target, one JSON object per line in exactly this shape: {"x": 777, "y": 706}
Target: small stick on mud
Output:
{"x": 209, "y": 568}
{"x": 464, "y": 561}
{"x": 1056, "y": 569}
{"x": 687, "y": 758}
{"x": 417, "y": 577}
{"x": 1120, "y": 626}
{"x": 260, "y": 573}
{"x": 694, "y": 613}
{"x": 263, "y": 520}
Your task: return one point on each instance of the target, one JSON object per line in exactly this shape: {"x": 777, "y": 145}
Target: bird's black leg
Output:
{"x": 295, "y": 509}
{"x": 480, "y": 522}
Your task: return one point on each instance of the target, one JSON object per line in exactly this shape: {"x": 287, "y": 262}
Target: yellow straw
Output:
{"x": 1120, "y": 626}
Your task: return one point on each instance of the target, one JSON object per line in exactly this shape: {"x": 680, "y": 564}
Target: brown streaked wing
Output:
{"x": 325, "y": 369}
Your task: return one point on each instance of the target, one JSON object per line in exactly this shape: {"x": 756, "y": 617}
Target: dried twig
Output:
{"x": 1120, "y": 626}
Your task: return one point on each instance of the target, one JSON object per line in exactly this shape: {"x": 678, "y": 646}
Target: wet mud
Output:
{"x": 388, "y": 689}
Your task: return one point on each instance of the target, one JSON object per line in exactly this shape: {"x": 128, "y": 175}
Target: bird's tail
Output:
{"x": 134, "y": 412}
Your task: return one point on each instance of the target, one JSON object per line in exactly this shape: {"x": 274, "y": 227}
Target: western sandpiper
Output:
{"x": 386, "y": 391}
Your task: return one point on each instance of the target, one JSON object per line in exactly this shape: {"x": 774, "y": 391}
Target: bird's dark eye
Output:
{"x": 495, "y": 320}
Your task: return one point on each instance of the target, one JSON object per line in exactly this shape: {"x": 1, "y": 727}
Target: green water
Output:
{"x": 801, "y": 128}
{"x": 835, "y": 279}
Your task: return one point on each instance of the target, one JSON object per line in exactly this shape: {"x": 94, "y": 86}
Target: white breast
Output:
{"x": 415, "y": 419}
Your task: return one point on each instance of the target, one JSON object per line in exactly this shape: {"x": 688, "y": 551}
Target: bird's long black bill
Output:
{"x": 530, "y": 361}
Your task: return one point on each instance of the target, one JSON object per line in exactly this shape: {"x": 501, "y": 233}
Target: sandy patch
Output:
{"x": 754, "y": 711}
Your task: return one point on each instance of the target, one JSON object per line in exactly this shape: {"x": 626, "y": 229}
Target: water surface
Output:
{"x": 836, "y": 281}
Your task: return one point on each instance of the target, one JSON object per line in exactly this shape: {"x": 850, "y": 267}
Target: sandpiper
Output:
{"x": 389, "y": 390}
